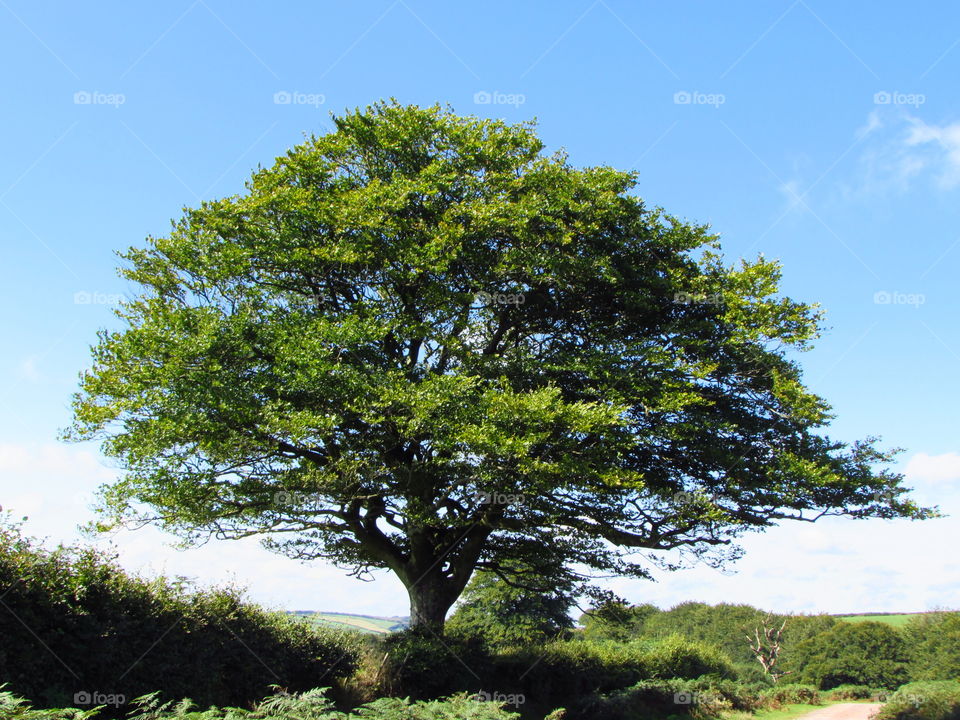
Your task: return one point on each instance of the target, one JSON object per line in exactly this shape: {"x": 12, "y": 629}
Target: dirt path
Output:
{"x": 844, "y": 711}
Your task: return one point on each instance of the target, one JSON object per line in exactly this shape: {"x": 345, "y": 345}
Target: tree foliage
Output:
{"x": 862, "y": 653}
{"x": 420, "y": 343}
{"x": 616, "y": 620}
{"x": 510, "y": 615}
{"x": 934, "y": 643}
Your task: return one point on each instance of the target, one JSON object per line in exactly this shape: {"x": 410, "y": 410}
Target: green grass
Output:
{"x": 896, "y": 620}
{"x": 789, "y": 712}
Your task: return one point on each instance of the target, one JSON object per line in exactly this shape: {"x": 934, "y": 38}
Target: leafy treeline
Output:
{"x": 74, "y": 626}
{"x": 817, "y": 649}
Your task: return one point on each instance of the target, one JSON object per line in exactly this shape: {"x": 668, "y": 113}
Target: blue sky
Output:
{"x": 826, "y": 135}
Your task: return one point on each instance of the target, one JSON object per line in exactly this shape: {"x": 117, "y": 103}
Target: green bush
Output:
{"x": 556, "y": 673}
{"x": 723, "y": 626}
{"x": 854, "y": 692}
{"x": 934, "y": 645}
{"x": 791, "y": 694}
{"x": 424, "y": 667}
{"x": 799, "y": 629}
{"x": 700, "y": 699}
{"x": 73, "y": 622}
{"x": 863, "y": 653}
{"x": 675, "y": 657}
{"x": 562, "y": 672}
{"x": 752, "y": 674}
{"x": 931, "y": 700}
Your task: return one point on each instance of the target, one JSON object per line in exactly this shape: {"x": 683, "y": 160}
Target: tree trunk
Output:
{"x": 429, "y": 602}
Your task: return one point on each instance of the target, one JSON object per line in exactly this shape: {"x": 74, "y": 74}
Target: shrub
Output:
{"x": 932, "y": 700}
{"x": 800, "y": 628}
{"x": 74, "y": 622}
{"x": 853, "y": 692}
{"x": 934, "y": 646}
{"x": 864, "y": 653}
{"x": 311, "y": 705}
{"x": 792, "y": 693}
{"x": 565, "y": 671}
{"x": 424, "y": 667}
{"x": 562, "y": 670}
{"x": 722, "y": 625}
{"x": 701, "y": 698}
{"x": 752, "y": 674}
{"x": 674, "y": 657}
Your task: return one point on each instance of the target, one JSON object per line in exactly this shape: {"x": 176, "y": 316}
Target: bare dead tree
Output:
{"x": 765, "y": 645}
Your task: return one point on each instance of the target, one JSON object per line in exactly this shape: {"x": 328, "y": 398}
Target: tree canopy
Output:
{"x": 420, "y": 343}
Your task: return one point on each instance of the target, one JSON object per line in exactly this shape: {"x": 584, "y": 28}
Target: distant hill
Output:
{"x": 373, "y": 624}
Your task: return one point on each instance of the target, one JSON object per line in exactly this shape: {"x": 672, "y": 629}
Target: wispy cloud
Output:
{"x": 940, "y": 144}
{"x": 902, "y": 152}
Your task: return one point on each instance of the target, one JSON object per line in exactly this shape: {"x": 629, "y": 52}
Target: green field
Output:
{"x": 347, "y": 621}
{"x": 895, "y": 619}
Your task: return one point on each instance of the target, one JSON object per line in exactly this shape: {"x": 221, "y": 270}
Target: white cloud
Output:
{"x": 873, "y": 123}
{"x": 943, "y": 144}
{"x": 934, "y": 468}
{"x": 51, "y": 483}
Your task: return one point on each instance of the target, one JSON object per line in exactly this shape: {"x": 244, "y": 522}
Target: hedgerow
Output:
{"x": 75, "y": 625}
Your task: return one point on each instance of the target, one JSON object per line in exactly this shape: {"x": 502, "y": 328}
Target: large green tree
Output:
{"x": 420, "y": 343}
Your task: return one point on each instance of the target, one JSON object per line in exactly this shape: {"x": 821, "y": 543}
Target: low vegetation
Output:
{"x": 75, "y": 626}
{"x": 82, "y": 639}
{"x": 928, "y": 700}
{"x": 312, "y": 705}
